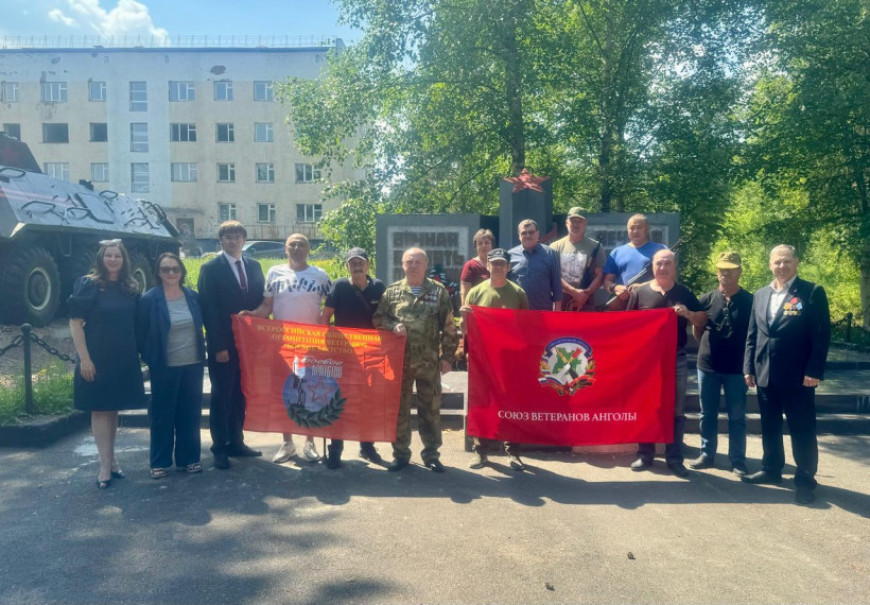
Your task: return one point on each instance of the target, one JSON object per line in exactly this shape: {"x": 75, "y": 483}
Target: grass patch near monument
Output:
{"x": 52, "y": 394}
{"x": 333, "y": 267}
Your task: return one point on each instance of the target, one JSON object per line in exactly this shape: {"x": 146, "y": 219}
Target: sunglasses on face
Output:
{"x": 168, "y": 270}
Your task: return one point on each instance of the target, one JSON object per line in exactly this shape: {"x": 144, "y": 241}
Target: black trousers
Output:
{"x": 337, "y": 445}
{"x": 175, "y": 413}
{"x": 227, "y": 410}
{"x": 799, "y": 405}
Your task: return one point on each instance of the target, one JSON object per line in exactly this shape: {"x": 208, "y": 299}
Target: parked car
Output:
{"x": 264, "y": 249}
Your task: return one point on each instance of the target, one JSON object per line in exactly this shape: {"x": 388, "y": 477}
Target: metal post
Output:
{"x": 849, "y": 317}
{"x": 28, "y": 376}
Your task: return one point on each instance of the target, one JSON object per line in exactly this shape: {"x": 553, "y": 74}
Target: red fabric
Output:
{"x": 363, "y": 367}
{"x": 556, "y": 378}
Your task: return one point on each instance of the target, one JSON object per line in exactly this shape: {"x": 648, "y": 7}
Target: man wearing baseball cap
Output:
{"x": 496, "y": 292}
{"x": 353, "y": 302}
{"x": 582, "y": 261}
{"x": 722, "y": 342}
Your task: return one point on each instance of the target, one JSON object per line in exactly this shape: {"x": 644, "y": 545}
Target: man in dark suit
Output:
{"x": 786, "y": 348}
{"x": 228, "y": 283}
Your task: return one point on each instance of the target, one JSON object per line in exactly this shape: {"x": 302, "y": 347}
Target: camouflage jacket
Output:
{"x": 428, "y": 319}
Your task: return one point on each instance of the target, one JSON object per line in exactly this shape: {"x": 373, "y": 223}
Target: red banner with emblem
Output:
{"x": 324, "y": 381}
{"x": 559, "y": 378}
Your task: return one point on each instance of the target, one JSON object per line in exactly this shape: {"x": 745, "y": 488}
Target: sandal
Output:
{"x": 194, "y": 467}
{"x": 104, "y": 483}
{"x": 158, "y": 473}
{"x": 118, "y": 473}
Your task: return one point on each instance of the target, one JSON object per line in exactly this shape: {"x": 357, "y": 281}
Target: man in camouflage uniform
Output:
{"x": 419, "y": 308}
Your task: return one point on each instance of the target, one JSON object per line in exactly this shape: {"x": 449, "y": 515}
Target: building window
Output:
{"x": 263, "y": 132}
{"x": 99, "y": 172}
{"x": 263, "y": 91}
{"x": 265, "y": 173}
{"x": 308, "y": 213}
{"x": 265, "y": 213}
{"x": 182, "y": 91}
{"x": 9, "y": 92}
{"x": 99, "y": 132}
{"x": 182, "y": 133}
{"x": 12, "y": 129}
{"x": 227, "y": 212}
{"x": 55, "y": 133}
{"x": 139, "y": 136}
{"x": 307, "y": 173}
{"x": 138, "y": 96}
{"x": 57, "y": 170}
{"x": 226, "y": 173}
{"x": 184, "y": 172}
{"x": 225, "y": 133}
{"x": 223, "y": 90}
{"x": 96, "y": 91}
{"x": 54, "y": 92}
{"x": 139, "y": 180}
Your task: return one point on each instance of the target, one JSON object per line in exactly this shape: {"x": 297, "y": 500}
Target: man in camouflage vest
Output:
{"x": 419, "y": 308}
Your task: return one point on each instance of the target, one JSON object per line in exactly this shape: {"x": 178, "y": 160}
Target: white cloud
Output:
{"x": 56, "y": 14}
{"x": 127, "y": 18}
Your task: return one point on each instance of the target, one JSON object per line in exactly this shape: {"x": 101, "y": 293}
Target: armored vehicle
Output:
{"x": 50, "y": 230}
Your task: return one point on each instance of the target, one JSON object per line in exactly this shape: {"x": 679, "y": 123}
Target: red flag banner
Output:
{"x": 324, "y": 381}
{"x": 554, "y": 378}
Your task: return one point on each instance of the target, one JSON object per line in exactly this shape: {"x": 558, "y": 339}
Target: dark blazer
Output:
{"x": 153, "y": 324}
{"x": 795, "y": 344}
{"x": 221, "y": 296}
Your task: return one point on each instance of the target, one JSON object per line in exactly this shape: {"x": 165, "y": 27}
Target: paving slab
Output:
{"x": 573, "y": 529}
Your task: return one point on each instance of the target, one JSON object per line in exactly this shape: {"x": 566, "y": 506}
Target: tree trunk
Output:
{"x": 514, "y": 94}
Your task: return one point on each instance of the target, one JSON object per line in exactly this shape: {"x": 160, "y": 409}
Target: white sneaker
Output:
{"x": 309, "y": 452}
{"x": 287, "y": 451}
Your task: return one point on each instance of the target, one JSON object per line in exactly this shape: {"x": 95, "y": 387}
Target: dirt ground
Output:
{"x": 12, "y": 362}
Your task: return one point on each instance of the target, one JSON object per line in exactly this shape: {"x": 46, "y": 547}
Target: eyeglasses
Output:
{"x": 110, "y": 242}
{"x": 168, "y": 270}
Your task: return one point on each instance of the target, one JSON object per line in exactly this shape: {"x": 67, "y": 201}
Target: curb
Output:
{"x": 43, "y": 431}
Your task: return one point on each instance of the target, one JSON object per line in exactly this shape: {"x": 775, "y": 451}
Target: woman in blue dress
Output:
{"x": 108, "y": 377}
{"x": 169, "y": 325}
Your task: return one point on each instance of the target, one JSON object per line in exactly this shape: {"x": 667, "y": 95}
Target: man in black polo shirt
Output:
{"x": 664, "y": 292}
{"x": 353, "y": 302}
{"x": 722, "y": 343}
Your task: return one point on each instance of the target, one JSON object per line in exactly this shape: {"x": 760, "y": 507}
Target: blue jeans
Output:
{"x": 709, "y": 386}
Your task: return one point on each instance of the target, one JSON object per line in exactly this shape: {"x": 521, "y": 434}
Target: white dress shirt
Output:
{"x": 777, "y": 298}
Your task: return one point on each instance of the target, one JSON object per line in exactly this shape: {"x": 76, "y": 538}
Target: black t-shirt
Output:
{"x": 646, "y": 298}
{"x": 350, "y": 311}
{"x": 724, "y": 339}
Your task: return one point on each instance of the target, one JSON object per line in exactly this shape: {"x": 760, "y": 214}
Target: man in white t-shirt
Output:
{"x": 294, "y": 292}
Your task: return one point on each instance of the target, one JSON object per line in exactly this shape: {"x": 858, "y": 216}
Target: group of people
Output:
{"x": 776, "y": 340}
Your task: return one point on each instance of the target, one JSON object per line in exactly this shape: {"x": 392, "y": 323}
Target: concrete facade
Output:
{"x": 122, "y": 118}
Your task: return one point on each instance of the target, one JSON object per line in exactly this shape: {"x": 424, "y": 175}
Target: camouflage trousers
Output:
{"x": 428, "y": 414}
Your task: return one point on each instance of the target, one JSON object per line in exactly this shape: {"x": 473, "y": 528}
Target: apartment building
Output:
{"x": 196, "y": 130}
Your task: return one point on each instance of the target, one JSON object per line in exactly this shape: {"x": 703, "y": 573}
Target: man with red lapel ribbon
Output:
{"x": 786, "y": 348}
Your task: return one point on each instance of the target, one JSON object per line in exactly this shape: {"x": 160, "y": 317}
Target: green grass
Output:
{"x": 52, "y": 394}
{"x": 333, "y": 267}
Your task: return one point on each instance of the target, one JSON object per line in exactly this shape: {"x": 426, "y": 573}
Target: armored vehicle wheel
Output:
{"x": 140, "y": 270}
{"x": 79, "y": 263}
{"x": 30, "y": 283}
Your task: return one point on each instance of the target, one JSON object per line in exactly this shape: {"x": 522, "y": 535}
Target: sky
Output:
{"x": 169, "y": 18}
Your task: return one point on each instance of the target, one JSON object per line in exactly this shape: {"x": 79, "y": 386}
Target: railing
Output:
{"x": 27, "y": 336}
{"x": 248, "y": 41}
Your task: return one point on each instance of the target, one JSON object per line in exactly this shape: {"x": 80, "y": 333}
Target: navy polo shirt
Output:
{"x": 350, "y": 311}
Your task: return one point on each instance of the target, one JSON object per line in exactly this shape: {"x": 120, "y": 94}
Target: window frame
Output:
{"x": 310, "y": 173}
{"x": 230, "y": 214}
{"x": 16, "y": 127}
{"x": 61, "y": 92}
{"x": 226, "y": 87}
{"x": 268, "y": 132}
{"x": 177, "y": 87}
{"x": 95, "y": 128}
{"x": 270, "y": 212}
{"x": 6, "y": 87}
{"x": 140, "y": 145}
{"x": 183, "y": 172}
{"x": 54, "y": 124}
{"x": 316, "y": 213}
{"x": 136, "y": 103}
{"x": 269, "y": 168}
{"x": 50, "y": 169}
{"x": 105, "y": 172}
{"x": 140, "y": 188}
{"x": 268, "y": 91}
{"x": 98, "y": 98}
{"x": 230, "y": 170}
{"x": 178, "y": 128}
{"x": 230, "y": 132}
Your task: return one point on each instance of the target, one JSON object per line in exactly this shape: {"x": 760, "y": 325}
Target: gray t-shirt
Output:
{"x": 181, "y": 349}
{"x": 576, "y": 257}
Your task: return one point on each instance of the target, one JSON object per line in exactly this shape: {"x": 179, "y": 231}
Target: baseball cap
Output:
{"x": 728, "y": 260}
{"x": 498, "y": 254}
{"x": 356, "y": 253}
{"x": 578, "y": 212}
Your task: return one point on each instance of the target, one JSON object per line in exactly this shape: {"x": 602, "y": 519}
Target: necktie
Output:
{"x": 243, "y": 281}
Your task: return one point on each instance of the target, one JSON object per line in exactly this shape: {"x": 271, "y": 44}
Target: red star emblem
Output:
{"x": 527, "y": 180}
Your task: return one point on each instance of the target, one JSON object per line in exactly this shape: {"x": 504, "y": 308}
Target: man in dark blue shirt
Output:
{"x": 536, "y": 268}
{"x": 353, "y": 302}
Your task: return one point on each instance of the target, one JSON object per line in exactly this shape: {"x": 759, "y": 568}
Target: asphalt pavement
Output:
{"x": 572, "y": 529}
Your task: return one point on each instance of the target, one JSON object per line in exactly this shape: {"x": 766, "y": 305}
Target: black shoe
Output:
{"x": 371, "y": 454}
{"x": 434, "y": 465}
{"x": 221, "y": 461}
{"x": 804, "y": 495}
{"x": 478, "y": 460}
{"x": 515, "y": 463}
{"x": 641, "y": 464}
{"x": 333, "y": 462}
{"x": 762, "y": 478}
{"x": 397, "y": 464}
{"x": 243, "y": 451}
{"x": 678, "y": 469}
{"x": 739, "y": 469}
{"x": 702, "y": 461}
